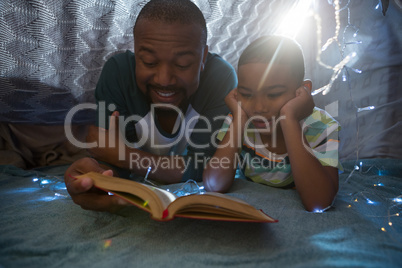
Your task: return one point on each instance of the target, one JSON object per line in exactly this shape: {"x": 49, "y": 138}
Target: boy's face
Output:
{"x": 169, "y": 59}
{"x": 264, "y": 97}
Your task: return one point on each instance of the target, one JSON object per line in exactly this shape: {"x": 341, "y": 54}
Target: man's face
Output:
{"x": 169, "y": 59}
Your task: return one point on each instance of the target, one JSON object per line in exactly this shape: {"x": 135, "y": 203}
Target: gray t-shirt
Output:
{"x": 195, "y": 131}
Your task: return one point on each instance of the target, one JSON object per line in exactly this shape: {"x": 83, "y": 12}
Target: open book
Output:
{"x": 164, "y": 205}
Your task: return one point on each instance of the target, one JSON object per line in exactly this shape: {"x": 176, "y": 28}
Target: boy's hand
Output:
{"x": 300, "y": 106}
{"x": 82, "y": 190}
{"x": 233, "y": 104}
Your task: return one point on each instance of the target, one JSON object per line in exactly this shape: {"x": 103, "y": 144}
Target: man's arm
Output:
{"x": 117, "y": 153}
{"x": 116, "y": 88}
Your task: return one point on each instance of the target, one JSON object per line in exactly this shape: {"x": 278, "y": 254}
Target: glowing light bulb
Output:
{"x": 357, "y": 167}
{"x": 397, "y": 200}
{"x": 370, "y": 201}
{"x": 45, "y": 182}
{"x": 368, "y": 108}
{"x": 353, "y": 43}
{"x": 344, "y": 78}
{"x": 356, "y": 70}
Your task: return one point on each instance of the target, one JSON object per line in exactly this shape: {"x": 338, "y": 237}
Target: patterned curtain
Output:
{"x": 52, "y": 52}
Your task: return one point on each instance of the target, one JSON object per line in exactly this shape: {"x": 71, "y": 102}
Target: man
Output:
{"x": 168, "y": 97}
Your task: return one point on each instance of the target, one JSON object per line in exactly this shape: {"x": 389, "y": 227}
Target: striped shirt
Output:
{"x": 262, "y": 166}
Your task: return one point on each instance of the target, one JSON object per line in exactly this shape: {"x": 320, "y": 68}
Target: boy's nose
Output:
{"x": 164, "y": 76}
{"x": 260, "y": 106}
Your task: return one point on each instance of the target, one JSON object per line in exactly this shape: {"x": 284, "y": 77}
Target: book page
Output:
{"x": 165, "y": 197}
{"x": 220, "y": 217}
{"x": 216, "y": 206}
{"x": 135, "y": 200}
{"x": 164, "y": 205}
{"x": 154, "y": 200}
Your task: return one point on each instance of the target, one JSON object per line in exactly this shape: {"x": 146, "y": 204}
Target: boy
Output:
{"x": 281, "y": 137}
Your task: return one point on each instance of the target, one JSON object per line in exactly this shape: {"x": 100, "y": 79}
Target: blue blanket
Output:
{"x": 42, "y": 227}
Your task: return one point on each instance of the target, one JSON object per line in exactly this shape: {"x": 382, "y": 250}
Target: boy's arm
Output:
{"x": 220, "y": 171}
{"x": 316, "y": 184}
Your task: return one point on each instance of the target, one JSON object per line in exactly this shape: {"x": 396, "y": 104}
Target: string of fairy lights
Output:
{"x": 339, "y": 70}
{"x": 394, "y": 203}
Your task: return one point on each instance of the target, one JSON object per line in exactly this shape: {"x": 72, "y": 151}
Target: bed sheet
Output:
{"x": 41, "y": 227}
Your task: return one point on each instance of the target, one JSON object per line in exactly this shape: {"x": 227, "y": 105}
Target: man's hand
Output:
{"x": 300, "y": 106}
{"x": 82, "y": 190}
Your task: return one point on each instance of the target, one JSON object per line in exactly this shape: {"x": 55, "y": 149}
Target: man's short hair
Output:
{"x": 171, "y": 11}
{"x": 278, "y": 49}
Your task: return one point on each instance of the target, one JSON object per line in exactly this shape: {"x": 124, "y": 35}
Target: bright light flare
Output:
{"x": 294, "y": 19}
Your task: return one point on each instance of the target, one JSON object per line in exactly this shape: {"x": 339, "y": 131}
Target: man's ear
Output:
{"x": 307, "y": 84}
{"x": 204, "y": 58}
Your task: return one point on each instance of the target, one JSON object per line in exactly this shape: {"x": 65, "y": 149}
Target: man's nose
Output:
{"x": 164, "y": 76}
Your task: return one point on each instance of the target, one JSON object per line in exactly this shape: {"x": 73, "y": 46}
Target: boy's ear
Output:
{"x": 308, "y": 85}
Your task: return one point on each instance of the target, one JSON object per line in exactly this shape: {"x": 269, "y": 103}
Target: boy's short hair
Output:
{"x": 278, "y": 49}
{"x": 170, "y": 11}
